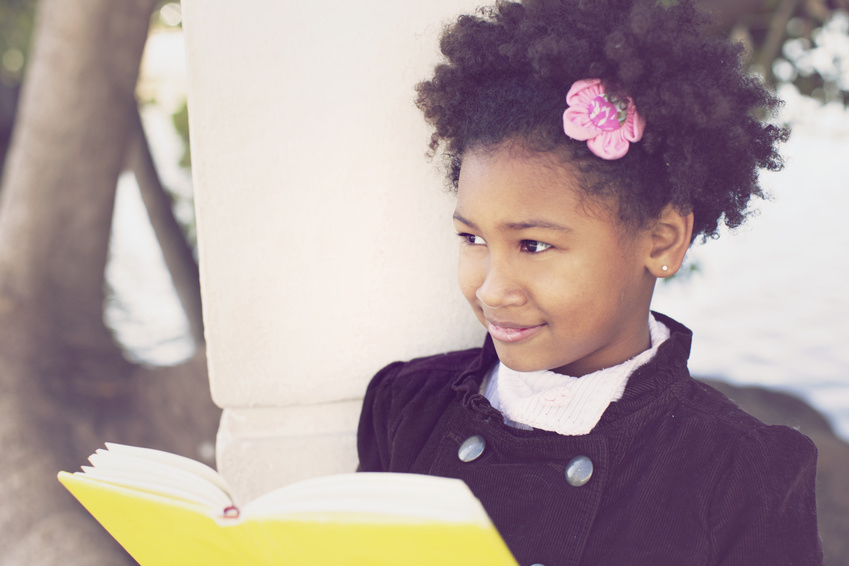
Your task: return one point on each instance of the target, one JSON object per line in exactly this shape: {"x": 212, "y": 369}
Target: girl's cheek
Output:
{"x": 470, "y": 274}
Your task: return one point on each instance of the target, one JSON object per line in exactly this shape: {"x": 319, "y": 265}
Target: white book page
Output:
{"x": 404, "y": 497}
{"x": 135, "y": 468}
{"x": 174, "y": 460}
{"x": 215, "y": 502}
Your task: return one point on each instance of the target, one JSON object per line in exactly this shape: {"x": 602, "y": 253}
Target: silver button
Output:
{"x": 579, "y": 471}
{"x": 471, "y": 448}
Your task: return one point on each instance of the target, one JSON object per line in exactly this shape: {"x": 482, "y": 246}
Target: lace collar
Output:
{"x": 560, "y": 403}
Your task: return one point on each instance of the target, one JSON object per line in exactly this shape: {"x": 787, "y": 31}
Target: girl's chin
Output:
{"x": 526, "y": 362}
{"x": 520, "y": 363}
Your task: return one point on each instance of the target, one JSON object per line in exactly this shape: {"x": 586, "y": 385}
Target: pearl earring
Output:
{"x": 664, "y": 268}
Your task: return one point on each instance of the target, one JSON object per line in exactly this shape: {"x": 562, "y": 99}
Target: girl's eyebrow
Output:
{"x": 544, "y": 224}
{"x": 536, "y": 224}
{"x": 468, "y": 223}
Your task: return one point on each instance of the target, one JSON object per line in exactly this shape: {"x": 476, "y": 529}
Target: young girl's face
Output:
{"x": 555, "y": 280}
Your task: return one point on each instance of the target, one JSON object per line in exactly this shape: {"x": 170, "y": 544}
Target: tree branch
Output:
{"x": 175, "y": 249}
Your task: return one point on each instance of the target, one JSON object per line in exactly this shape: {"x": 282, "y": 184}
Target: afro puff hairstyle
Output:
{"x": 509, "y": 66}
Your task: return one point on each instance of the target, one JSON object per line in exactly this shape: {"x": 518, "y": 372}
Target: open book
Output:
{"x": 169, "y": 510}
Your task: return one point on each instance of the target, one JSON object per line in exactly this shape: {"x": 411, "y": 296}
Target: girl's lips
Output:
{"x": 505, "y": 332}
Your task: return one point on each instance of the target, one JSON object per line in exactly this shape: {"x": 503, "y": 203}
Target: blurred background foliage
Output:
{"x": 169, "y": 15}
{"x": 16, "y": 22}
{"x": 17, "y": 18}
{"x": 800, "y": 42}
{"x": 181, "y": 124}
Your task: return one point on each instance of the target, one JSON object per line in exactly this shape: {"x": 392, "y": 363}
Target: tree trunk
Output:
{"x": 64, "y": 385}
{"x": 59, "y": 185}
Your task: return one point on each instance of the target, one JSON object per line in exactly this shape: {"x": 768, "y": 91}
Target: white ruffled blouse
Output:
{"x": 566, "y": 405}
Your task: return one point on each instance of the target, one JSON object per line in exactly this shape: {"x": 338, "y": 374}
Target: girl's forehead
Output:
{"x": 519, "y": 186}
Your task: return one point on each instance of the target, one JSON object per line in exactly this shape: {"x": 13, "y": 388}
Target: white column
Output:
{"x": 326, "y": 244}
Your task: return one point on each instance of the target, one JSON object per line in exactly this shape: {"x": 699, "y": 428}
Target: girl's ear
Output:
{"x": 670, "y": 239}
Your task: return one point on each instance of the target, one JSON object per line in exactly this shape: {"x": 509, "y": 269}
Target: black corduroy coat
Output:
{"x": 680, "y": 474}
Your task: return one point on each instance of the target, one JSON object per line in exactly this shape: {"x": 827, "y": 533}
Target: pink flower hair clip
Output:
{"x": 609, "y": 125}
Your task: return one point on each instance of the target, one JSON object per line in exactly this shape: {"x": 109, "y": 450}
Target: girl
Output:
{"x": 590, "y": 142}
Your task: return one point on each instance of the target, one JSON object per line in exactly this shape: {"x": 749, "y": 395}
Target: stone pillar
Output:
{"x": 326, "y": 243}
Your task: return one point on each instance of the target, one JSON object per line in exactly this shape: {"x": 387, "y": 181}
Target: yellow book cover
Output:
{"x": 167, "y": 510}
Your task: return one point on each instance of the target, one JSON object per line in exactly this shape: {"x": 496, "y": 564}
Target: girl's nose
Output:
{"x": 500, "y": 288}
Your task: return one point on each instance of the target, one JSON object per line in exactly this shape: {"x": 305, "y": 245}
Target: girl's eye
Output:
{"x": 471, "y": 239}
{"x": 534, "y": 246}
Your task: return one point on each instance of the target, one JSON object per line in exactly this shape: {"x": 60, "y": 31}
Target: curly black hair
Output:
{"x": 509, "y": 66}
